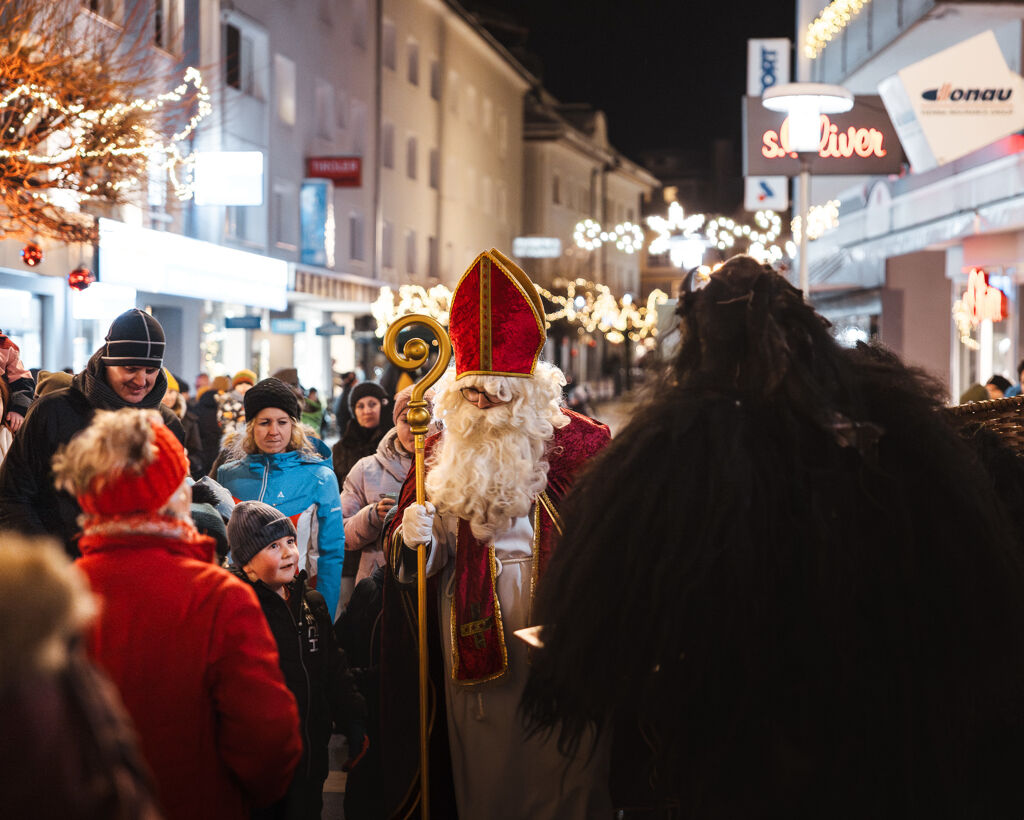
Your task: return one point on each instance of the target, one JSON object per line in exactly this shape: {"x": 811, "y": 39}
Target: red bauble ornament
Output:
{"x": 32, "y": 254}
{"x": 80, "y": 278}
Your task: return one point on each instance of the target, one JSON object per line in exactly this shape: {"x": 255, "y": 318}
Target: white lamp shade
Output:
{"x": 827, "y": 99}
{"x": 804, "y": 103}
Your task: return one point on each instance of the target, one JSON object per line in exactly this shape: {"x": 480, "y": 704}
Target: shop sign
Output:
{"x": 344, "y": 172}
{"x": 287, "y": 326}
{"x": 537, "y": 247}
{"x": 860, "y": 141}
{"x": 982, "y": 301}
{"x": 767, "y": 64}
{"x": 243, "y": 322}
{"x": 766, "y": 194}
{"x": 330, "y": 329}
{"x": 228, "y": 178}
{"x": 954, "y": 102}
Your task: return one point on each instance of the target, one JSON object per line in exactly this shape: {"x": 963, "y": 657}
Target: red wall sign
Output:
{"x": 982, "y": 300}
{"x": 344, "y": 172}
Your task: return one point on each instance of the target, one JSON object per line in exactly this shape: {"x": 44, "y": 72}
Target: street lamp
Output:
{"x": 803, "y": 104}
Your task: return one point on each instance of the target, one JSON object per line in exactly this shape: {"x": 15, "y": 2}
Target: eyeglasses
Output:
{"x": 471, "y": 394}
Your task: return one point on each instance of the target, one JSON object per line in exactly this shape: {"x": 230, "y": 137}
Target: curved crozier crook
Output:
{"x": 415, "y": 353}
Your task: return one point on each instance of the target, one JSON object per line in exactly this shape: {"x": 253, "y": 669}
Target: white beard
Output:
{"x": 489, "y": 466}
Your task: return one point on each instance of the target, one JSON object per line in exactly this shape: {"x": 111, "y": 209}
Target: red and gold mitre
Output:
{"x": 497, "y": 320}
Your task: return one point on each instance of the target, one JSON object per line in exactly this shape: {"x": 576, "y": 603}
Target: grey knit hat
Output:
{"x": 135, "y": 339}
{"x": 253, "y": 527}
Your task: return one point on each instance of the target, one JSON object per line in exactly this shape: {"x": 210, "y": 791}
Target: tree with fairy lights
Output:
{"x": 78, "y": 123}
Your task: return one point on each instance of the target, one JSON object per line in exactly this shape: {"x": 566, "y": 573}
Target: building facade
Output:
{"x": 898, "y": 264}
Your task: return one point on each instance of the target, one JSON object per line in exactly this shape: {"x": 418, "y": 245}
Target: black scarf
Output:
{"x": 92, "y": 383}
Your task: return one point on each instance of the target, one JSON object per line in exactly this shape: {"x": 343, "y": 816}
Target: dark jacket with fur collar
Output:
{"x": 314, "y": 670}
{"x": 29, "y": 502}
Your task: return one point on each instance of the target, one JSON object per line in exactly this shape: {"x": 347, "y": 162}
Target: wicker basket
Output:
{"x": 1002, "y": 416}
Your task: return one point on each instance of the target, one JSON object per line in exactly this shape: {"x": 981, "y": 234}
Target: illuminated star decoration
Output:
{"x": 674, "y": 233}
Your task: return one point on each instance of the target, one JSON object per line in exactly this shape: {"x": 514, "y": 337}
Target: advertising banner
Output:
{"x": 861, "y": 141}
{"x": 954, "y": 102}
{"x": 767, "y": 64}
{"x": 766, "y": 193}
{"x": 316, "y": 204}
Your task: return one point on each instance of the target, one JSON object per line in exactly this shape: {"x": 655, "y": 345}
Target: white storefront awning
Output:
{"x": 163, "y": 262}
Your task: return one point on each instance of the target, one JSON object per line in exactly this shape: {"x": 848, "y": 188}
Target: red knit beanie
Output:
{"x": 146, "y": 489}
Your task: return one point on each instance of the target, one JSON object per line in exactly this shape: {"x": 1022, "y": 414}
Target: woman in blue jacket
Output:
{"x": 277, "y": 463}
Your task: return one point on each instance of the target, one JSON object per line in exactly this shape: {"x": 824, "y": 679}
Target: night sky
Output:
{"x": 668, "y": 73}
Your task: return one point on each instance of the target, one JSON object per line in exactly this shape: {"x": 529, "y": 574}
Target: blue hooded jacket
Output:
{"x": 305, "y": 489}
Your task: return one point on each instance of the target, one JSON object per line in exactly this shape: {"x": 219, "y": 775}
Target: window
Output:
{"x": 410, "y": 252}
{"x": 388, "y": 245}
{"x": 242, "y": 223}
{"x": 432, "y": 270}
{"x": 502, "y": 135}
{"x": 239, "y": 48}
{"x": 167, "y": 24}
{"x": 449, "y": 260}
{"x": 285, "y": 214}
{"x": 356, "y": 229}
{"x": 556, "y": 189}
{"x": 487, "y": 194}
{"x": 387, "y": 145}
{"x": 453, "y": 92}
{"x": 470, "y": 103}
{"x": 435, "y": 79}
{"x": 359, "y": 23}
{"x": 324, "y": 101}
{"x": 358, "y": 127}
{"x": 389, "y": 45}
{"x": 411, "y": 149}
{"x": 470, "y": 186}
{"x": 341, "y": 109}
{"x": 284, "y": 80}
{"x": 488, "y": 115}
{"x": 502, "y": 197}
{"x": 435, "y": 169}
{"x": 629, "y": 216}
{"x": 413, "y": 50}
{"x": 112, "y": 10}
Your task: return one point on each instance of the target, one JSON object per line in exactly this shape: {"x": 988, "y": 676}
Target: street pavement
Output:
{"x": 616, "y": 412}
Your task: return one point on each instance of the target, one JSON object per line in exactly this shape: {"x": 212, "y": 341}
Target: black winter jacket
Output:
{"x": 315, "y": 671}
{"x": 29, "y": 502}
{"x": 209, "y": 427}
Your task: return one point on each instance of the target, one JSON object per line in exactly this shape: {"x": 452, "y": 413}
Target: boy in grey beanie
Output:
{"x": 264, "y": 551}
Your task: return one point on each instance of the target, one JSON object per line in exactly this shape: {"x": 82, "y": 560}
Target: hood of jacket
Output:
{"x": 92, "y": 383}
{"x": 393, "y": 460}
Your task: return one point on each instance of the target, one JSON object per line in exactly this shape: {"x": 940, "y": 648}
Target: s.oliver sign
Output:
{"x": 344, "y": 172}
{"x": 861, "y": 141}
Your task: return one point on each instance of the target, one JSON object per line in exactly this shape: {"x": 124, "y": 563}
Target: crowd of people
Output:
{"x": 789, "y": 587}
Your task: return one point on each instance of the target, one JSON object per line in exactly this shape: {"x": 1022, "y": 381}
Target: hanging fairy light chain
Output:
{"x": 589, "y": 305}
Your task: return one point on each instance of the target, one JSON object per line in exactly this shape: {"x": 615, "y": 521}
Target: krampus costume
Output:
{"x": 800, "y": 591}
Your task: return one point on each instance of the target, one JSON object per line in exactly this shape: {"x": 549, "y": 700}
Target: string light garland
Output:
{"x": 820, "y": 218}
{"x": 627, "y": 236}
{"x": 589, "y": 305}
{"x": 73, "y": 128}
{"x": 832, "y": 20}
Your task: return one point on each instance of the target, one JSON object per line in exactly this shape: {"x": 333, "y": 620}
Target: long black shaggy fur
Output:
{"x": 793, "y": 579}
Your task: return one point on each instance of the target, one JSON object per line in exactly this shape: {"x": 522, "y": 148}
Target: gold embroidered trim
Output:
{"x": 486, "y": 349}
{"x": 534, "y": 560}
{"x": 499, "y": 627}
{"x": 549, "y": 505}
